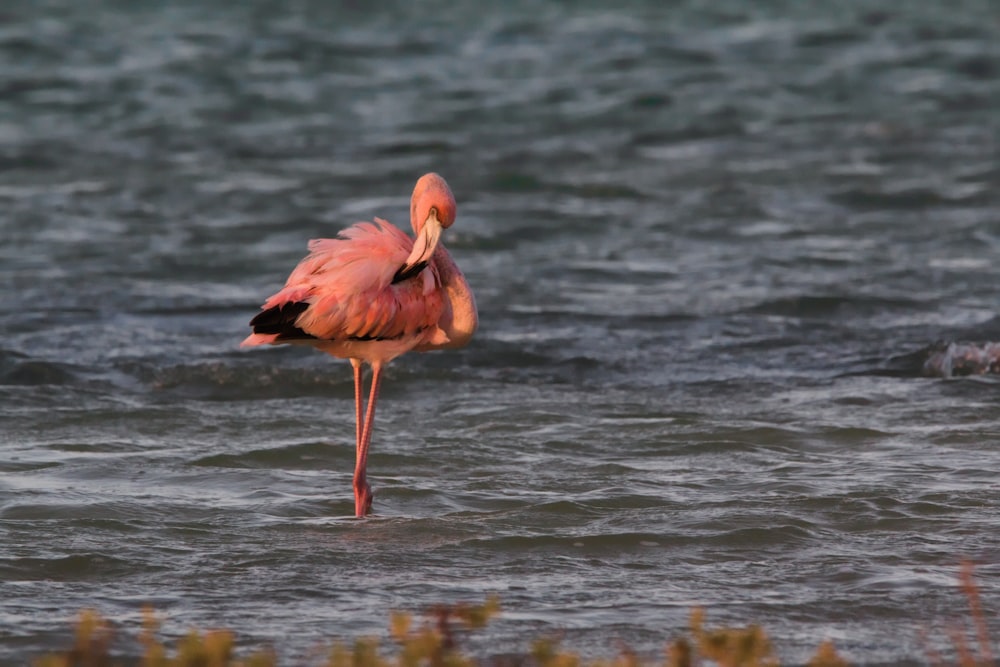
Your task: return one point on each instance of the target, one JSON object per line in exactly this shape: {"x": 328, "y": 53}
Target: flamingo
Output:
{"x": 370, "y": 295}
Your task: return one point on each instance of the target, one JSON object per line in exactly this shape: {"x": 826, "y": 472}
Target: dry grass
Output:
{"x": 434, "y": 642}
{"x": 979, "y": 654}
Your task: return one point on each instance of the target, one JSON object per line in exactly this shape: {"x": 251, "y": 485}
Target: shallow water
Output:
{"x": 709, "y": 248}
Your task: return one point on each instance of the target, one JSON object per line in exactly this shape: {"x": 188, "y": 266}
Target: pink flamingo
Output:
{"x": 372, "y": 294}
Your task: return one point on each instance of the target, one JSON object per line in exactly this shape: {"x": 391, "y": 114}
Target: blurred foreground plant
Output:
{"x": 434, "y": 643}
{"x": 982, "y": 653}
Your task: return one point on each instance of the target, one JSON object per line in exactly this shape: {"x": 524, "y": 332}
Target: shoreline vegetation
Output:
{"x": 434, "y": 641}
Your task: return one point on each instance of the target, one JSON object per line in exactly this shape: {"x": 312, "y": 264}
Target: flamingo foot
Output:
{"x": 363, "y": 497}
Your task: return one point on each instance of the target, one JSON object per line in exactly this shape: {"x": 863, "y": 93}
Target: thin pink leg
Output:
{"x": 358, "y": 390}
{"x": 362, "y": 490}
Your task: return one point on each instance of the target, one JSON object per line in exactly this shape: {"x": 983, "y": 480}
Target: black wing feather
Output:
{"x": 281, "y": 320}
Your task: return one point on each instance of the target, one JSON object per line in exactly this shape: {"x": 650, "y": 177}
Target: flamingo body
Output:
{"x": 341, "y": 298}
{"x": 372, "y": 294}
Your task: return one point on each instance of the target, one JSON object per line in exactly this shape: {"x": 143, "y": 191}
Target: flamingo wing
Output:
{"x": 347, "y": 288}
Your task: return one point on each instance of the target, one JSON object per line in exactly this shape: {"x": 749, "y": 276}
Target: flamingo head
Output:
{"x": 431, "y": 198}
{"x": 432, "y": 209}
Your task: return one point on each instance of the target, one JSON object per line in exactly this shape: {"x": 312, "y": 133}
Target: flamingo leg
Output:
{"x": 362, "y": 490}
{"x": 358, "y": 406}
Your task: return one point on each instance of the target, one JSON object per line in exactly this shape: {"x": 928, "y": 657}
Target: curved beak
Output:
{"x": 423, "y": 249}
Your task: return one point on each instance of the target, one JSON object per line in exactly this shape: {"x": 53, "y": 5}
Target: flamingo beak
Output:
{"x": 423, "y": 248}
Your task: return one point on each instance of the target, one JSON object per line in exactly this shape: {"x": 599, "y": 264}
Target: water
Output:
{"x": 709, "y": 243}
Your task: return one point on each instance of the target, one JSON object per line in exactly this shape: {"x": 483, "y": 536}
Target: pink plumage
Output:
{"x": 351, "y": 300}
{"x": 372, "y": 294}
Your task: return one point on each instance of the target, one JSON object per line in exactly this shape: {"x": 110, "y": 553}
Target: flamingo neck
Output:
{"x": 461, "y": 318}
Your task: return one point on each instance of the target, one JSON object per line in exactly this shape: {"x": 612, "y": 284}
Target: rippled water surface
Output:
{"x": 709, "y": 245}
